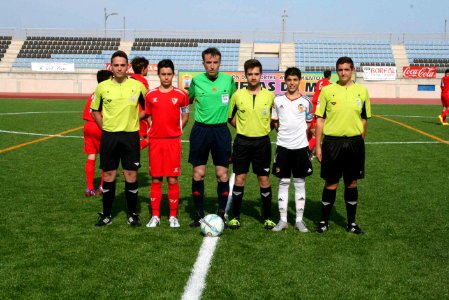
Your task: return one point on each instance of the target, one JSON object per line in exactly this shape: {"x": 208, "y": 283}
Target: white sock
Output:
{"x": 300, "y": 197}
{"x": 283, "y": 198}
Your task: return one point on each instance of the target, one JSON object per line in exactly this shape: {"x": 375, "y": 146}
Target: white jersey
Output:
{"x": 293, "y": 115}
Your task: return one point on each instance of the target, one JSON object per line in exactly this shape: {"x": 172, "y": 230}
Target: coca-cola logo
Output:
{"x": 419, "y": 72}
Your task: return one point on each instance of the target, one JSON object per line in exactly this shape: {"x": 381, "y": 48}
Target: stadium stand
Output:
{"x": 5, "y": 41}
{"x": 318, "y": 55}
{"x": 84, "y": 52}
{"x": 186, "y": 52}
{"x": 428, "y": 54}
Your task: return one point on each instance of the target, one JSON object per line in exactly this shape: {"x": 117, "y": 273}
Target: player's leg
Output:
{"x": 331, "y": 172}
{"x": 91, "y": 147}
{"x": 261, "y": 160}
{"x": 221, "y": 155}
{"x": 354, "y": 170}
{"x": 155, "y": 202}
{"x": 173, "y": 201}
{"x": 198, "y": 155}
{"x": 301, "y": 167}
{"x": 130, "y": 157}
{"x": 109, "y": 161}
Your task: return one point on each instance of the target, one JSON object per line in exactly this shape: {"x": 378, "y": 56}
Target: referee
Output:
{"x": 342, "y": 113}
{"x": 115, "y": 109}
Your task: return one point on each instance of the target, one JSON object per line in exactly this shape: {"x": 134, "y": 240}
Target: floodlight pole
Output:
{"x": 284, "y": 20}
{"x": 106, "y": 16}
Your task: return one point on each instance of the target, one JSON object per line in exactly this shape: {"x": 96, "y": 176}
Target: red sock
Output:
{"x": 143, "y": 143}
{"x": 444, "y": 114}
{"x": 173, "y": 198}
{"x": 155, "y": 199}
{"x": 312, "y": 143}
{"x": 90, "y": 173}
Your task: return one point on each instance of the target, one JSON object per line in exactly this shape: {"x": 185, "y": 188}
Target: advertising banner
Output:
{"x": 419, "y": 72}
{"x": 52, "y": 67}
{"x": 272, "y": 81}
{"x": 379, "y": 73}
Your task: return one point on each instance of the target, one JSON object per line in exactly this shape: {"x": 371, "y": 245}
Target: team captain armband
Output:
{"x": 309, "y": 117}
{"x": 185, "y": 109}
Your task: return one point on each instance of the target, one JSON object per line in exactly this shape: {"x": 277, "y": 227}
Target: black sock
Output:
{"x": 265, "y": 195}
{"x": 351, "y": 197}
{"x": 198, "y": 195}
{"x": 222, "y": 193}
{"x": 131, "y": 193}
{"x": 108, "y": 197}
{"x": 327, "y": 202}
{"x": 237, "y": 197}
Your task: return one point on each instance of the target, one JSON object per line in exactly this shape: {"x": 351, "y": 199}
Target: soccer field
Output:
{"x": 50, "y": 248}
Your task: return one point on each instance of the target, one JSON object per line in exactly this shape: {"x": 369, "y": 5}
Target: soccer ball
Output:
{"x": 212, "y": 225}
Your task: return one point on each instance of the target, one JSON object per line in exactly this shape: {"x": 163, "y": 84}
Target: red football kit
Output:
{"x": 143, "y": 131}
{"x": 445, "y": 91}
{"x": 92, "y": 134}
{"x": 165, "y": 144}
{"x": 319, "y": 85}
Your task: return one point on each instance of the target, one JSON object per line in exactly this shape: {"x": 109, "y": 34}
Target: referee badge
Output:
{"x": 358, "y": 102}
{"x": 133, "y": 98}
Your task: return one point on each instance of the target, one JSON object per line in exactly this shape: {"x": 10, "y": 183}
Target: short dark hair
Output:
{"x": 344, "y": 60}
{"x": 292, "y": 71}
{"x": 119, "y": 53}
{"x": 252, "y": 63}
{"x": 139, "y": 63}
{"x": 327, "y": 74}
{"x": 103, "y": 75}
{"x": 447, "y": 71}
{"x": 165, "y": 63}
{"x": 212, "y": 51}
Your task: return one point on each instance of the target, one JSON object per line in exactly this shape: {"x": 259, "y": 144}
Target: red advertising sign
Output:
{"x": 419, "y": 72}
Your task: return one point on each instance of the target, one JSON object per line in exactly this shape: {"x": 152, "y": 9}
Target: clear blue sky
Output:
{"x": 385, "y": 16}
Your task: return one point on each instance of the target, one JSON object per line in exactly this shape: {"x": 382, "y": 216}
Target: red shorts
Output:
{"x": 165, "y": 157}
{"x": 92, "y": 136}
{"x": 445, "y": 100}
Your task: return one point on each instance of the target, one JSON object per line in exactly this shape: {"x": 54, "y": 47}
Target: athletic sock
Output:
{"x": 173, "y": 198}
{"x": 327, "y": 202}
{"x": 108, "y": 197}
{"x": 351, "y": 197}
{"x": 265, "y": 195}
{"x": 102, "y": 178}
{"x": 284, "y": 183}
{"x": 312, "y": 143}
{"x": 222, "y": 193}
{"x": 300, "y": 197}
{"x": 131, "y": 193}
{"x": 237, "y": 197}
{"x": 198, "y": 195}
{"x": 155, "y": 199}
{"x": 90, "y": 173}
{"x": 444, "y": 114}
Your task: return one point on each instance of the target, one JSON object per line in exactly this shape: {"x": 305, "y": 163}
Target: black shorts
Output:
{"x": 119, "y": 146}
{"x": 215, "y": 139}
{"x": 254, "y": 151}
{"x": 343, "y": 156}
{"x": 288, "y": 162}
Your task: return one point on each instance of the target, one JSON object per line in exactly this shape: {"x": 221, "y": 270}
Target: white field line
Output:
{"x": 186, "y": 141}
{"x": 197, "y": 280}
{"x": 403, "y": 116}
{"x": 40, "y": 112}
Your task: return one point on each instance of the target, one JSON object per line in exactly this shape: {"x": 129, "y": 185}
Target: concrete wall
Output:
{"x": 33, "y": 82}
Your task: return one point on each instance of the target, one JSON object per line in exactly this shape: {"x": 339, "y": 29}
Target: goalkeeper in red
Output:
{"x": 163, "y": 106}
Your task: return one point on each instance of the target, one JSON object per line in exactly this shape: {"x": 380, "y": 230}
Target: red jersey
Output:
{"x": 165, "y": 112}
{"x": 444, "y": 85}
{"x": 140, "y": 78}
{"x": 87, "y": 116}
{"x": 319, "y": 85}
{"x": 143, "y": 131}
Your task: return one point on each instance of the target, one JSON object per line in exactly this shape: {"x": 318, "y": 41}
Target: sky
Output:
{"x": 363, "y": 16}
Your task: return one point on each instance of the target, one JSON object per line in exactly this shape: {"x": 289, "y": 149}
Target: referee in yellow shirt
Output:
{"x": 342, "y": 112}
